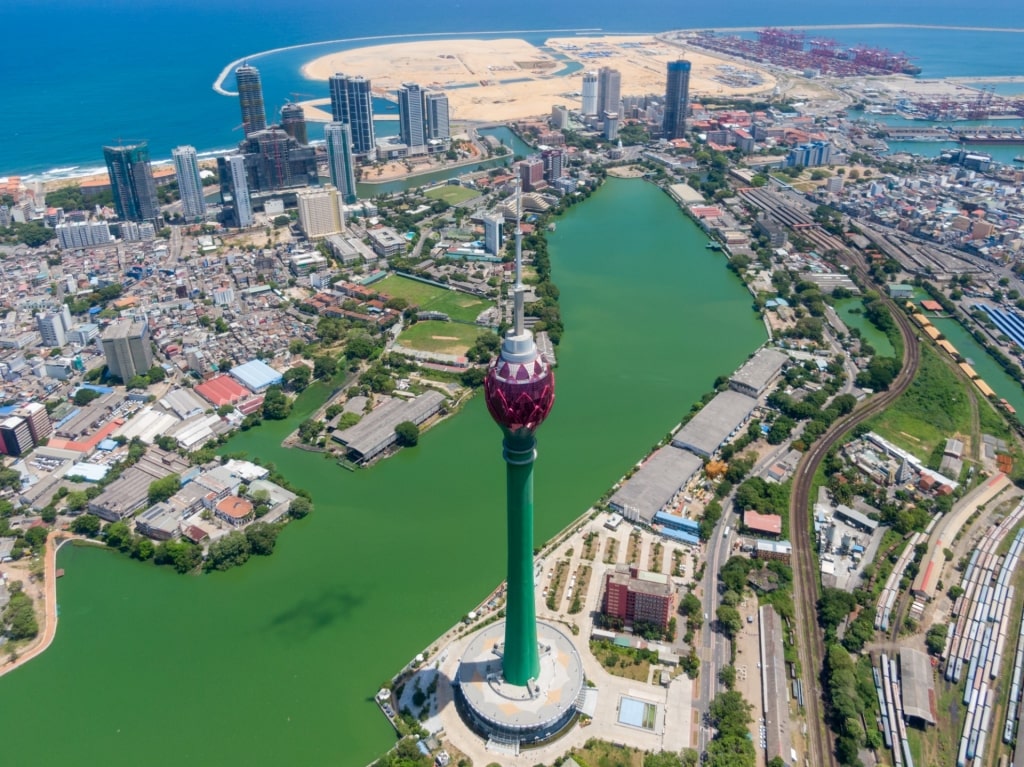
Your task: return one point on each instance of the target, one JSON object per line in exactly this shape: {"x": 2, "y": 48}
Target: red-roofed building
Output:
{"x": 765, "y": 524}
{"x": 235, "y": 511}
{"x": 931, "y": 306}
{"x": 222, "y": 390}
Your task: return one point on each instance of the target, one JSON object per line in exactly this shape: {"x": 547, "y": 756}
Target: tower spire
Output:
{"x": 518, "y": 289}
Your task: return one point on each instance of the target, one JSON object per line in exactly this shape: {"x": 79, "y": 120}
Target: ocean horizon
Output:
{"x": 126, "y": 70}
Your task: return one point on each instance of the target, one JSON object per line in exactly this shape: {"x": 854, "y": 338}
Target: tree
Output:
{"x": 19, "y": 617}
{"x": 162, "y": 489}
{"x": 182, "y": 555}
{"x": 262, "y": 537}
{"x": 142, "y": 549}
{"x": 118, "y": 536}
{"x": 297, "y": 378}
{"x": 87, "y": 525}
{"x": 230, "y": 551}
{"x": 85, "y": 396}
{"x": 935, "y": 639}
{"x": 729, "y": 620}
{"x": 299, "y": 507}
{"x": 833, "y": 607}
{"x": 36, "y": 537}
{"x": 360, "y": 347}
{"x": 408, "y": 433}
{"x": 727, "y": 676}
{"x": 276, "y": 406}
{"x": 324, "y": 366}
{"x": 730, "y": 714}
{"x": 156, "y": 374}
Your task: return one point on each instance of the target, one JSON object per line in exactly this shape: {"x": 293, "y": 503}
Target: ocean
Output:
{"x": 84, "y": 73}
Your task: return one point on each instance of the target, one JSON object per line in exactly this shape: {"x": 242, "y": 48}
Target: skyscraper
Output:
{"x": 609, "y": 85}
{"x": 131, "y": 181}
{"x": 126, "y": 348}
{"x": 527, "y": 687}
{"x": 411, "y": 128}
{"x": 250, "y": 98}
{"x": 293, "y": 120}
{"x": 435, "y": 109}
{"x": 338, "y": 138}
{"x": 190, "y": 183}
{"x": 589, "y": 106}
{"x": 352, "y": 103}
{"x": 234, "y": 189}
{"x": 677, "y": 99}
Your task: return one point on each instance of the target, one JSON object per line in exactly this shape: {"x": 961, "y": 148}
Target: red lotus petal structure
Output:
{"x": 519, "y": 395}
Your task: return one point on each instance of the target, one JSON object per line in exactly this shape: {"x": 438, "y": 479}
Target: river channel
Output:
{"x": 276, "y": 662}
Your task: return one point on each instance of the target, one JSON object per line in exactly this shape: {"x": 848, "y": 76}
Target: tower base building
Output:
{"x": 515, "y": 715}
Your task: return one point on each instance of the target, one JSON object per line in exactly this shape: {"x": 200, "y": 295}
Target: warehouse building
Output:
{"x": 376, "y": 432}
{"x": 716, "y": 422}
{"x": 255, "y": 375}
{"x": 664, "y": 474}
{"x": 758, "y": 373}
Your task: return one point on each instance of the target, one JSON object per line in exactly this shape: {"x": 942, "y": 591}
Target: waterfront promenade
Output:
{"x": 48, "y": 623}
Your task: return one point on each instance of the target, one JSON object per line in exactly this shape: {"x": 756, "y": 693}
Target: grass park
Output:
{"x": 438, "y": 336}
{"x": 932, "y": 410}
{"x": 451, "y": 193}
{"x": 430, "y": 298}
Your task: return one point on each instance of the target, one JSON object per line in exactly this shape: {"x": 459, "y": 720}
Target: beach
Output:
{"x": 509, "y": 79}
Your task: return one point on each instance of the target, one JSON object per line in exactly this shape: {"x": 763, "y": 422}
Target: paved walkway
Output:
{"x": 49, "y": 623}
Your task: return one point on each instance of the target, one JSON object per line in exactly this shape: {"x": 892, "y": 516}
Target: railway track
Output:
{"x": 811, "y": 648}
{"x": 806, "y": 577}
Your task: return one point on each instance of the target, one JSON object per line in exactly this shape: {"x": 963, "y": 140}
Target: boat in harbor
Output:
{"x": 1019, "y": 158}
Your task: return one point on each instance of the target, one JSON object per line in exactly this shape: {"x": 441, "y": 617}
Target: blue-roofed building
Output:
{"x": 255, "y": 375}
{"x": 107, "y": 445}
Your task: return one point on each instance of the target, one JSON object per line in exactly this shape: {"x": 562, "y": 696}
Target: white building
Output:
{"x": 83, "y": 234}
{"x": 589, "y": 107}
{"x": 51, "y": 328}
{"x": 338, "y": 139}
{"x": 190, "y": 183}
{"x": 494, "y": 233}
{"x": 321, "y": 211}
{"x": 240, "y": 191}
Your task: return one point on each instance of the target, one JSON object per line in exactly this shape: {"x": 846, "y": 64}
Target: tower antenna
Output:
{"x": 518, "y": 289}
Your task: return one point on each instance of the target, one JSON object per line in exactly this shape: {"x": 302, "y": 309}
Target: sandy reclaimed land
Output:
{"x": 500, "y": 80}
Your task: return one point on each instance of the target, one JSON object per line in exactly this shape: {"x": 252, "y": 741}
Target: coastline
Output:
{"x": 69, "y": 170}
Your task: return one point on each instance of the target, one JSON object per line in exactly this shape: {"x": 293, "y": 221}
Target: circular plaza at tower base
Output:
{"x": 521, "y": 714}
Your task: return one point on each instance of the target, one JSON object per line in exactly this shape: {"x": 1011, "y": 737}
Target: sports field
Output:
{"x": 451, "y": 193}
{"x": 458, "y": 306}
{"x": 436, "y": 336}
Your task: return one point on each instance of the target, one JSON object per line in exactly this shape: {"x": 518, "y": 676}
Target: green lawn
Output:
{"x": 436, "y": 336}
{"x": 934, "y": 408}
{"x": 452, "y": 194}
{"x": 458, "y": 306}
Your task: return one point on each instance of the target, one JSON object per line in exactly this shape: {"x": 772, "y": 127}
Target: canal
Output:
{"x": 276, "y": 662}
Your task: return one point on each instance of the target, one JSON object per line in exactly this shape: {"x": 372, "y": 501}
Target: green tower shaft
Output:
{"x": 521, "y": 659}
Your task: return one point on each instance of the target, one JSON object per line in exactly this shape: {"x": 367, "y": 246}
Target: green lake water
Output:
{"x": 847, "y": 309}
{"x": 276, "y": 662}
